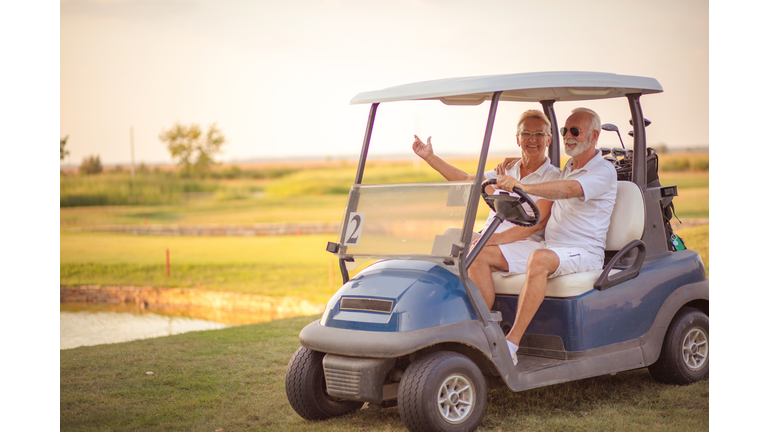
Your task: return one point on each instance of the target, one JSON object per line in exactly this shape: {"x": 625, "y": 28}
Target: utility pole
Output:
{"x": 133, "y": 171}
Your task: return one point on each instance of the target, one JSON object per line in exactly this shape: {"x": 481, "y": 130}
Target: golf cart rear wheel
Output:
{"x": 443, "y": 391}
{"x": 305, "y": 388}
{"x": 684, "y": 356}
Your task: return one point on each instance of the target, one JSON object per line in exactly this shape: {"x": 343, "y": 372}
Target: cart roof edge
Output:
{"x": 520, "y": 87}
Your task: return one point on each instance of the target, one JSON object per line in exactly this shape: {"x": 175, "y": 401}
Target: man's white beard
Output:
{"x": 579, "y": 149}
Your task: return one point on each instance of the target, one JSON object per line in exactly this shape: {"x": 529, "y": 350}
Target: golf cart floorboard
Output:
{"x": 528, "y": 364}
{"x": 533, "y": 372}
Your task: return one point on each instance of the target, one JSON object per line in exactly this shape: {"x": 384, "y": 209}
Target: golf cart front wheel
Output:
{"x": 305, "y": 388}
{"x": 684, "y": 357}
{"x": 442, "y": 391}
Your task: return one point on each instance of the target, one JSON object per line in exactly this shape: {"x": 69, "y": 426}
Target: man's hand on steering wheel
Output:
{"x": 516, "y": 214}
{"x": 508, "y": 183}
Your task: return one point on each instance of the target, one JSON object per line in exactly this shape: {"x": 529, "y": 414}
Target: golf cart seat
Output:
{"x": 627, "y": 224}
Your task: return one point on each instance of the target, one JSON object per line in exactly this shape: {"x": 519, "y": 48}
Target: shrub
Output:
{"x": 700, "y": 165}
{"x": 123, "y": 189}
{"x": 228, "y": 194}
{"x": 91, "y": 165}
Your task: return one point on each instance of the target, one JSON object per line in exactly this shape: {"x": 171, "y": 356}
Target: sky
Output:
{"x": 277, "y": 76}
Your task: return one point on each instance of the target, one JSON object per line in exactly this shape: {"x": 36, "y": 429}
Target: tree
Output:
{"x": 193, "y": 149}
{"x": 62, "y": 150}
{"x": 91, "y": 165}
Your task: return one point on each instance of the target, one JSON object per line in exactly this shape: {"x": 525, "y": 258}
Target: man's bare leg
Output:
{"x": 489, "y": 258}
{"x": 541, "y": 264}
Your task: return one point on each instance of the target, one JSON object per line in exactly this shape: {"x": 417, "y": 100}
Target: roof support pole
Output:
{"x": 475, "y": 297}
{"x": 359, "y": 179}
{"x": 366, "y": 144}
{"x": 554, "y": 146}
{"x": 471, "y": 214}
{"x": 639, "y": 164}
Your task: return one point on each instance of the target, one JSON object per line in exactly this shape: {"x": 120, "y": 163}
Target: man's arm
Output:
{"x": 517, "y": 232}
{"x": 553, "y": 190}
{"x": 450, "y": 172}
{"x": 507, "y": 164}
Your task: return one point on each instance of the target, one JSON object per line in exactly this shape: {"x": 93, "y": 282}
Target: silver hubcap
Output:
{"x": 695, "y": 349}
{"x": 456, "y": 398}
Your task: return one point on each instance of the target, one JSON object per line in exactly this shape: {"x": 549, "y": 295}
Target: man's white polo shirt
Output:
{"x": 584, "y": 221}
{"x": 546, "y": 172}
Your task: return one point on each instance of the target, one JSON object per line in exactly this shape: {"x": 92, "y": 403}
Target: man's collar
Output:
{"x": 596, "y": 158}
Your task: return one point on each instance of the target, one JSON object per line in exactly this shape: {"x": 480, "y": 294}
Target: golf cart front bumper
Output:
{"x": 359, "y": 379}
{"x": 372, "y": 344}
{"x": 357, "y": 362}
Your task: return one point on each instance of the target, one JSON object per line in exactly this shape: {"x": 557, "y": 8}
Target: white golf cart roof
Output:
{"x": 521, "y": 87}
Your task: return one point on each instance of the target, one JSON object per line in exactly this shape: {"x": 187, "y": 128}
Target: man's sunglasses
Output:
{"x": 574, "y": 131}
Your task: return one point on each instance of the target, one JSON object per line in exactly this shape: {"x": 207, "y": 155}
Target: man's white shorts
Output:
{"x": 572, "y": 259}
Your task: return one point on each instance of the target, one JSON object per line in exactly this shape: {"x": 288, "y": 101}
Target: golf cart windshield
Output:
{"x": 405, "y": 221}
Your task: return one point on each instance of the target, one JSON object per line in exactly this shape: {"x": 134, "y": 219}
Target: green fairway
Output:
{"x": 279, "y": 266}
{"x": 234, "y": 378}
{"x": 693, "y": 193}
{"x": 268, "y": 265}
{"x": 697, "y": 239}
{"x": 315, "y": 195}
{"x": 274, "y": 266}
{"x": 210, "y": 211}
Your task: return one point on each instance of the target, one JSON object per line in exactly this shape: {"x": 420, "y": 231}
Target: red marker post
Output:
{"x": 167, "y": 263}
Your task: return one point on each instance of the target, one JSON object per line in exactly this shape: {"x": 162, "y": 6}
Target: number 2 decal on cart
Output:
{"x": 354, "y": 229}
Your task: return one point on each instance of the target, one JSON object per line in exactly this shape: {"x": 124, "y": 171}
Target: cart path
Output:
{"x": 250, "y": 230}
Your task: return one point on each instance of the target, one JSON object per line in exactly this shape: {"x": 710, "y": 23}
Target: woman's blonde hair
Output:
{"x": 532, "y": 113}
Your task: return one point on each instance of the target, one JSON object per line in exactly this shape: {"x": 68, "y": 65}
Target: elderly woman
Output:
{"x": 533, "y": 138}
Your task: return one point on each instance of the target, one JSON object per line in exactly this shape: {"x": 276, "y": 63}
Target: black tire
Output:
{"x": 684, "y": 357}
{"x": 427, "y": 398}
{"x": 305, "y": 388}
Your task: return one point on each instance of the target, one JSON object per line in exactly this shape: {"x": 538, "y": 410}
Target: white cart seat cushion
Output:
{"x": 627, "y": 224}
{"x": 628, "y": 217}
{"x": 571, "y": 285}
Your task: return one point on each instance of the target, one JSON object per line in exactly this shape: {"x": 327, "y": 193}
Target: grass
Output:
{"x": 233, "y": 379}
{"x": 693, "y": 192}
{"x": 296, "y": 266}
{"x": 684, "y": 161}
{"x": 279, "y": 266}
{"x": 122, "y": 189}
{"x": 119, "y": 187}
{"x": 209, "y": 211}
{"x": 697, "y": 239}
{"x": 313, "y": 194}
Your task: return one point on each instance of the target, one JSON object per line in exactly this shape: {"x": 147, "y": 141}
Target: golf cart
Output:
{"x": 412, "y": 329}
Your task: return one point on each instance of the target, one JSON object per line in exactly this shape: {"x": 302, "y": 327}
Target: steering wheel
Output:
{"x": 511, "y": 207}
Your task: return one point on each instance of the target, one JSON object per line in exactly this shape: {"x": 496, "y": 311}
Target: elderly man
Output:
{"x": 583, "y": 196}
{"x": 533, "y": 137}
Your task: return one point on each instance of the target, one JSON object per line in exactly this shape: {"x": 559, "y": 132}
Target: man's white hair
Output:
{"x": 595, "y": 125}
